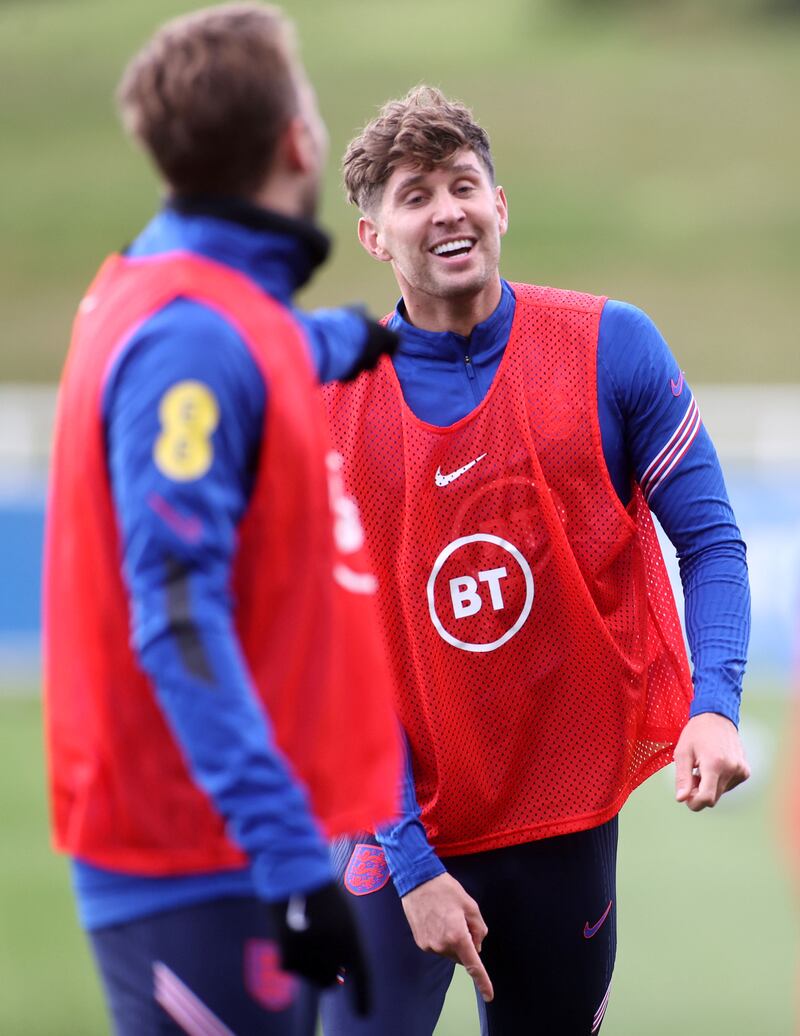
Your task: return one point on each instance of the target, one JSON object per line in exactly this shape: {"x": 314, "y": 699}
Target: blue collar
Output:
{"x": 486, "y": 339}
{"x": 279, "y": 253}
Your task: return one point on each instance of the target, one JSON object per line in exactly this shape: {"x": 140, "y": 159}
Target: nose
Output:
{"x": 448, "y": 209}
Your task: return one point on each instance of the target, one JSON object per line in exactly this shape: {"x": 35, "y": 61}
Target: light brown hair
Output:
{"x": 209, "y": 95}
{"x": 424, "y": 128}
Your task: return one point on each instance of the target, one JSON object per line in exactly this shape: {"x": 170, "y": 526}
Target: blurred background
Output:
{"x": 650, "y": 152}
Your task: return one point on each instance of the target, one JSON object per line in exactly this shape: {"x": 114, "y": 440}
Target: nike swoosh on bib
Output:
{"x": 445, "y": 480}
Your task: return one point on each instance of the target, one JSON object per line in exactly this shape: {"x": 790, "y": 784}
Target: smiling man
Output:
{"x": 506, "y": 460}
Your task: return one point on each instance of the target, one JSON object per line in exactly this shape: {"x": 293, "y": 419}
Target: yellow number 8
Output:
{"x": 189, "y": 413}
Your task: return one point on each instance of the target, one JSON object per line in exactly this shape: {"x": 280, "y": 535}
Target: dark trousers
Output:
{"x": 550, "y": 907}
{"x": 211, "y": 969}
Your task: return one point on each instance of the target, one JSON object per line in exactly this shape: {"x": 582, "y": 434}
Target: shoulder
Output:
{"x": 633, "y": 356}
{"x": 185, "y": 341}
{"x": 628, "y": 335}
{"x": 544, "y": 297}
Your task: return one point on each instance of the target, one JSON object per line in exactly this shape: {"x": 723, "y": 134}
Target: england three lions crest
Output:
{"x": 367, "y": 870}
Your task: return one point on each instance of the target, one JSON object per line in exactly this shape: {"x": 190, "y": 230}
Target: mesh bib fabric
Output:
{"x": 303, "y": 596}
{"x": 539, "y": 658}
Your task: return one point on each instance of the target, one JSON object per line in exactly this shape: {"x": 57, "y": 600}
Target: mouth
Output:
{"x": 455, "y": 248}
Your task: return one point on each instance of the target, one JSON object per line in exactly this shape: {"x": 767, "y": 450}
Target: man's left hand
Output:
{"x": 709, "y": 760}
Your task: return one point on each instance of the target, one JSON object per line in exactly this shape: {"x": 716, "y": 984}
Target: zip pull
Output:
{"x": 470, "y": 368}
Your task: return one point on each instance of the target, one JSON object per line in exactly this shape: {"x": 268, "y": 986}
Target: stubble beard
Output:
{"x": 309, "y": 201}
{"x": 439, "y": 285}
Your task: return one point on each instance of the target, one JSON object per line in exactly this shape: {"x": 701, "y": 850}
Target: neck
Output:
{"x": 456, "y": 313}
{"x": 308, "y": 245}
{"x": 283, "y": 194}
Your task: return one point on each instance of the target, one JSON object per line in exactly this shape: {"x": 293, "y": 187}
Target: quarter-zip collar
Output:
{"x": 279, "y": 252}
{"x": 484, "y": 346}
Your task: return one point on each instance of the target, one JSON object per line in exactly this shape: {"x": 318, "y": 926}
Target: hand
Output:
{"x": 318, "y": 938}
{"x": 445, "y": 920}
{"x": 379, "y": 341}
{"x": 709, "y": 760}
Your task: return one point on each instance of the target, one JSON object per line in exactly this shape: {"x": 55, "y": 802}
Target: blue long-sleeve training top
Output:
{"x": 651, "y": 431}
{"x": 179, "y": 540}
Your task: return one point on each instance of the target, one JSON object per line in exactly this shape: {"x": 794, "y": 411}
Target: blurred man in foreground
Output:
{"x": 506, "y": 460}
{"x": 218, "y": 702}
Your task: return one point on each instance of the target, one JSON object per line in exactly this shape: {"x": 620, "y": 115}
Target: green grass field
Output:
{"x": 648, "y": 150}
{"x": 706, "y": 922}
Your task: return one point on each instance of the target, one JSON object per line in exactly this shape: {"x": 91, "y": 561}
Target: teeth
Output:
{"x": 452, "y": 246}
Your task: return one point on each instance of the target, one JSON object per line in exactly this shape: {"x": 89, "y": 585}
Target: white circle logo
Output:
{"x": 481, "y": 589}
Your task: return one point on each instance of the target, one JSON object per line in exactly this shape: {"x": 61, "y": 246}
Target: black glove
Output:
{"x": 380, "y": 341}
{"x": 319, "y": 940}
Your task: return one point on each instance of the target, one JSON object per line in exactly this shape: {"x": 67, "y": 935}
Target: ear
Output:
{"x": 502, "y": 209}
{"x": 298, "y": 145}
{"x": 370, "y": 238}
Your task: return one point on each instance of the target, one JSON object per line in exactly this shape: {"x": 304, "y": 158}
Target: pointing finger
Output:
{"x": 468, "y": 956}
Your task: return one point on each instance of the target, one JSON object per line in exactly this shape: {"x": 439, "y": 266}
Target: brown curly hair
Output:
{"x": 424, "y": 128}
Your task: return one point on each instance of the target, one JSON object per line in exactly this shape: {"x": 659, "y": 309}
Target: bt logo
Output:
{"x": 465, "y": 596}
{"x": 480, "y": 592}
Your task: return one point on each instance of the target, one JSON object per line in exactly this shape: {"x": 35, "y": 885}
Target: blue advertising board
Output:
{"x": 766, "y": 501}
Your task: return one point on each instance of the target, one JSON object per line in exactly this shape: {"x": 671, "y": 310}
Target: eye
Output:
{"x": 414, "y": 199}
{"x": 465, "y": 188}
